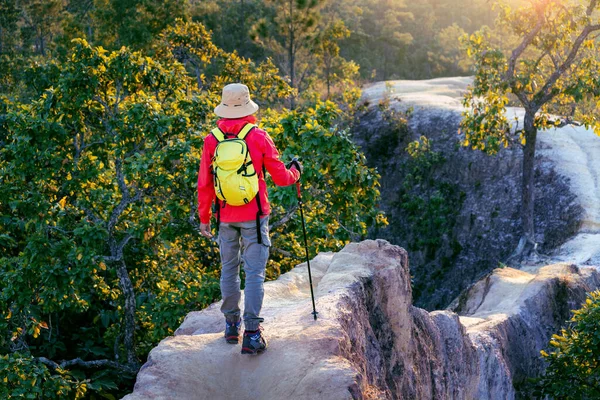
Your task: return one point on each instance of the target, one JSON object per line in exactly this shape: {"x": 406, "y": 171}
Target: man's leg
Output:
{"x": 229, "y": 246}
{"x": 255, "y": 257}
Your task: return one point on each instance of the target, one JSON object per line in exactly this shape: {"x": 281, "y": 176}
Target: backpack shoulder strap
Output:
{"x": 218, "y": 134}
{"x": 245, "y": 131}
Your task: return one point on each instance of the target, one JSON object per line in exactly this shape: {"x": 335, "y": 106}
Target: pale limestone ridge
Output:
{"x": 574, "y": 151}
{"x": 369, "y": 341}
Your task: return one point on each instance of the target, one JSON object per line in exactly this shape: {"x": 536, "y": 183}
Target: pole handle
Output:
{"x": 298, "y": 190}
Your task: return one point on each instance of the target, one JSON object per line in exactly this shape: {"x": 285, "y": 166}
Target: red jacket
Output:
{"x": 262, "y": 152}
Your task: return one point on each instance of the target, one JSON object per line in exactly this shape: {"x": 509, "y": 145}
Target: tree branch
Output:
{"x": 562, "y": 122}
{"x": 126, "y": 198}
{"x": 522, "y": 97}
{"x": 353, "y": 235}
{"x": 545, "y": 94}
{"x": 285, "y": 218}
{"x": 591, "y": 7}
{"x": 192, "y": 219}
{"x": 555, "y": 60}
{"x": 91, "y": 144}
{"x": 133, "y": 369}
{"x": 119, "y": 87}
{"x": 285, "y": 253}
{"x": 91, "y": 215}
{"x": 539, "y": 60}
{"x": 512, "y": 62}
{"x": 56, "y": 228}
{"x": 103, "y": 103}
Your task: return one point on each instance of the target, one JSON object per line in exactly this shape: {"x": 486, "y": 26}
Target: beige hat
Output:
{"x": 235, "y": 102}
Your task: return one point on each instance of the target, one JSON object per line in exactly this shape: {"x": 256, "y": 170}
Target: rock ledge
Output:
{"x": 369, "y": 341}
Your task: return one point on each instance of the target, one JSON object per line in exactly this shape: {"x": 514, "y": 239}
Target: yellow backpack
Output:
{"x": 235, "y": 179}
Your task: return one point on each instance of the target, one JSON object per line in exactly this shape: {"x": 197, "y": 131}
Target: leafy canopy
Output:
{"x": 552, "y": 71}
{"x": 574, "y": 362}
{"x": 100, "y": 253}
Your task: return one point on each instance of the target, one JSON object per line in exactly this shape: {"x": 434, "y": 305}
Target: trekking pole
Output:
{"x": 312, "y": 295}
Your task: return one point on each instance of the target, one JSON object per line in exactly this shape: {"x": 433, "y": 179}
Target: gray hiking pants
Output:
{"x": 238, "y": 241}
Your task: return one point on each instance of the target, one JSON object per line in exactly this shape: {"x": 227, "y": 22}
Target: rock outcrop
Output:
{"x": 369, "y": 342}
{"x": 485, "y": 224}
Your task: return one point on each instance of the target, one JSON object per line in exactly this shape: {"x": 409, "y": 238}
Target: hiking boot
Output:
{"x": 232, "y": 332}
{"x": 254, "y": 342}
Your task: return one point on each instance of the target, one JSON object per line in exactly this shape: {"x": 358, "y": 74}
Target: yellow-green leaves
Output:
{"x": 419, "y": 147}
{"x": 547, "y": 72}
{"x": 102, "y": 169}
{"x": 574, "y": 355}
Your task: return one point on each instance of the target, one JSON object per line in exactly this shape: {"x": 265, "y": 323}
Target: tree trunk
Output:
{"x": 127, "y": 288}
{"x": 328, "y": 80}
{"x": 42, "y": 42}
{"x": 385, "y": 64}
{"x": 527, "y": 244}
{"x": 291, "y": 56}
{"x": 243, "y": 16}
{"x": 198, "y": 76}
{"x": 90, "y": 32}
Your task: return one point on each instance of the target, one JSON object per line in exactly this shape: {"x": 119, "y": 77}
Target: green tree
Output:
{"x": 555, "y": 66}
{"x": 191, "y": 44}
{"x": 9, "y": 18}
{"x": 573, "y": 370}
{"x": 220, "y": 15}
{"x": 102, "y": 169}
{"x": 135, "y": 23}
{"x": 340, "y": 192}
{"x": 41, "y": 23}
{"x": 289, "y": 35}
{"x": 379, "y": 37}
{"x": 9, "y": 38}
{"x": 328, "y": 50}
{"x": 450, "y": 56}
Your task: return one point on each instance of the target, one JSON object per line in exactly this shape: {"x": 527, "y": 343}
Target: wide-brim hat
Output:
{"x": 236, "y": 102}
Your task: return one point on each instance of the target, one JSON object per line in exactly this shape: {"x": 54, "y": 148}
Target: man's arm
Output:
{"x": 279, "y": 173}
{"x": 206, "y": 191}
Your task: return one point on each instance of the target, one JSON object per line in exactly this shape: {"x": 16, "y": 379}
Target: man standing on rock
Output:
{"x": 235, "y": 157}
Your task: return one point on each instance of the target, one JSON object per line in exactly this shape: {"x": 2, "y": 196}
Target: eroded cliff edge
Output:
{"x": 369, "y": 341}
{"x": 462, "y": 217}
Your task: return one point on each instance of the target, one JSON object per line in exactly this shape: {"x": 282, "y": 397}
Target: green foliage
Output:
{"x": 379, "y": 37}
{"x": 42, "y": 21}
{"x": 333, "y": 69}
{"x": 288, "y": 32}
{"x": 9, "y": 18}
{"x": 190, "y": 44}
{"x": 554, "y": 68}
{"x": 101, "y": 171}
{"x": 430, "y": 203}
{"x": 100, "y": 254}
{"x": 340, "y": 192}
{"x": 220, "y": 15}
{"x": 133, "y": 23}
{"x": 485, "y": 124}
{"x": 21, "y": 377}
{"x": 449, "y": 56}
{"x": 573, "y": 370}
